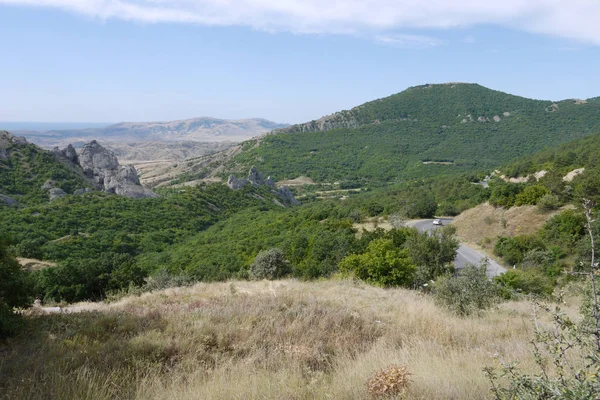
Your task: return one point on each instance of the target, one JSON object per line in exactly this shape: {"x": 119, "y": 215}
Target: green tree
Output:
{"x": 383, "y": 264}
{"x": 269, "y": 264}
{"x": 433, "y": 253}
{"x": 14, "y": 290}
{"x": 530, "y": 195}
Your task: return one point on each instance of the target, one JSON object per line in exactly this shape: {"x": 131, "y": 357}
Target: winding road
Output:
{"x": 464, "y": 254}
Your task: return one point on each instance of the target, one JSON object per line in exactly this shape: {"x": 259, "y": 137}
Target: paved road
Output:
{"x": 464, "y": 253}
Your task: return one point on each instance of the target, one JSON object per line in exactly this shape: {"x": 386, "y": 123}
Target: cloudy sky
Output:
{"x": 285, "y": 60}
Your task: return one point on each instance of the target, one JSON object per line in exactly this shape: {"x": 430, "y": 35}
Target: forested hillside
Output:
{"x": 424, "y": 131}
{"x": 24, "y": 168}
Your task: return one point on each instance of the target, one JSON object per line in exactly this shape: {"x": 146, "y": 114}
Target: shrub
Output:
{"x": 383, "y": 264}
{"x": 269, "y": 264}
{"x": 391, "y": 381}
{"x": 163, "y": 279}
{"x": 469, "y": 292}
{"x": 528, "y": 282}
{"x": 531, "y": 195}
{"x": 14, "y": 290}
{"x": 548, "y": 202}
{"x": 564, "y": 229}
{"x": 513, "y": 249}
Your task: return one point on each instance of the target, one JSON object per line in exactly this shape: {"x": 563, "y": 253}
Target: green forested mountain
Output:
{"x": 424, "y": 131}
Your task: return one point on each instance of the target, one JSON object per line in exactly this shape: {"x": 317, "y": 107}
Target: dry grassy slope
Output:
{"x": 261, "y": 340}
{"x": 481, "y": 225}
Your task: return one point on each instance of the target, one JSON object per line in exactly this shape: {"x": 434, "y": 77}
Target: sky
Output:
{"x": 107, "y": 61}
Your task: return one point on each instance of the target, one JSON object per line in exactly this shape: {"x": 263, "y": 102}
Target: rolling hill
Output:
{"x": 199, "y": 129}
{"x": 423, "y": 131}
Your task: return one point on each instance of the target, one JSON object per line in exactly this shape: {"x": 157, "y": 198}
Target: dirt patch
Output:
{"x": 32, "y": 264}
{"x": 569, "y": 177}
{"x": 438, "y": 163}
{"x": 299, "y": 181}
{"x": 483, "y": 224}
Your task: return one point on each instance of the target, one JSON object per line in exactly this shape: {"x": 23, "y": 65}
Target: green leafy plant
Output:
{"x": 269, "y": 264}
{"x": 467, "y": 293}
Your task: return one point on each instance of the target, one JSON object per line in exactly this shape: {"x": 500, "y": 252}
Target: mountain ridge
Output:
{"x": 198, "y": 129}
{"x": 422, "y": 131}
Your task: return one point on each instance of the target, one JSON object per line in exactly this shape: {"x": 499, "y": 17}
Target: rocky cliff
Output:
{"x": 104, "y": 170}
{"x": 256, "y": 179}
{"x": 342, "y": 119}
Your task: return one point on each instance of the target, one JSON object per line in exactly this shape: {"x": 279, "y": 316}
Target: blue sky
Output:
{"x": 142, "y": 60}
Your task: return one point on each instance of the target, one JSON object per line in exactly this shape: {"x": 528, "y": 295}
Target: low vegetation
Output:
{"x": 301, "y": 340}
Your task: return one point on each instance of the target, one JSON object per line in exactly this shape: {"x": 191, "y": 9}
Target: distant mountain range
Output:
{"x": 197, "y": 129}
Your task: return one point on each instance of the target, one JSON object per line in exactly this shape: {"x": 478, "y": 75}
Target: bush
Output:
{"x": 513, "y": 249}
{"x": 14, "y": 290}
{"x": 531, "y": 195}
{"x": 528, "y": 282}
{"x": 269, "y": 264}
{"x": 469, "y": 292}
{"x": 548, "y": 202}
{"x": 383, "y": 264}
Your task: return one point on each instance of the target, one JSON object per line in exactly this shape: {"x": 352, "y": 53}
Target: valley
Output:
{"x": 183, "y": 255}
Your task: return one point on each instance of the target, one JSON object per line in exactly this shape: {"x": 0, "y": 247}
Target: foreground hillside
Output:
{"x": 424, "y": 131}
{"x": 261, "y": 340}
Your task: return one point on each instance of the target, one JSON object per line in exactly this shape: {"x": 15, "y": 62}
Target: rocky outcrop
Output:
{"x": 8, "y": 201}
{"x": 6, "y": 141}
{"x": 256, "y": 179}
{"x": 287, "y": 196}
{"x": 56, "y": 193}
{"x": 68, "y": 153}
{"x": 342, "y": 119}
{"x": 235, "y": 183}
{"x": 102, "y": 167}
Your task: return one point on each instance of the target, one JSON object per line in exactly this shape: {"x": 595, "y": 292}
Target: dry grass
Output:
{"x": 261, "y": 340}
{"x": 481, "y": 226}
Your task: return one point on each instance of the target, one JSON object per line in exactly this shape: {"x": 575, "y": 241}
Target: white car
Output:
{"x": 437, "y": 222}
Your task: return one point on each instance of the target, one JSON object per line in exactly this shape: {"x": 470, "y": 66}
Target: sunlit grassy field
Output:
{"x": 261, "y": 340}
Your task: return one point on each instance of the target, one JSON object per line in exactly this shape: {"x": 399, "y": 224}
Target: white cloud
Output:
{"x": 407, "y": 41}
{"x": 572, "y": 19}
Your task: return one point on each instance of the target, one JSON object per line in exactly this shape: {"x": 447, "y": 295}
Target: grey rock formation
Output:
{"x": 103, "y": 167}
{"x": 8, "y": 201}
{"x": 343, "y": 119}
{"x": 287, "y": 196}
{"x": 5, "y": 142}
{"x": 20, "y": 140}
{"x": 95, "y": 159}
{"x": 235, "y": 183}
{"x": 256, "y": 179}
{"x": 68, "y": 153}
{"x": 270, "y": 183}
{"x": 49, "y": 184}
{"x": 56, "y": 193}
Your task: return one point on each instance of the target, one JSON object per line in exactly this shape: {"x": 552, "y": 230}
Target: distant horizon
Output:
{"x": 65, "y": 125}
{"x": 49, "y": 125}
